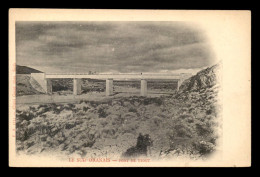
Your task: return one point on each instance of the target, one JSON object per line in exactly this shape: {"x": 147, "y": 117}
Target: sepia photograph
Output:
{"x": 120, "y": 92}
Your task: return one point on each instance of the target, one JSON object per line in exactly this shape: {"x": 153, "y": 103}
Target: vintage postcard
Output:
{"x": 129, "y": 88}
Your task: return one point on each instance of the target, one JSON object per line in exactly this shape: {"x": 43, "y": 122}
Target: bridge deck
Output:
{"x": 114, "y": 76}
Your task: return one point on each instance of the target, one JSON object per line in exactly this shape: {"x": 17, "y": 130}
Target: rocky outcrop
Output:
{"x": 24, "y": 85}
{"x": 204, "y": 79}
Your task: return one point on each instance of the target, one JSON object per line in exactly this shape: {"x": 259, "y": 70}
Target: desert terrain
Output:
{"x": 186, "y": 123}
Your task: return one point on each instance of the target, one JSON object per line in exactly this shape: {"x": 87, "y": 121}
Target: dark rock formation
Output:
{"x": 25, "y": 70}
{"x": 141, "y": 148}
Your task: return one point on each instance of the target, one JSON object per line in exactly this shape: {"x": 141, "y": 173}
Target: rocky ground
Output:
{"x": 185, "y": 124}
{"x": 111, "y": 127}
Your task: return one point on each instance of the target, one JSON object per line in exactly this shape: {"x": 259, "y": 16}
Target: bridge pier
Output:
{"x": 76, "y": 86}
{"x": 178, "y": 85}
{"x": 143, "y": 87}
{"x": 109, "y": 87}
{"x": 48, "y": 86}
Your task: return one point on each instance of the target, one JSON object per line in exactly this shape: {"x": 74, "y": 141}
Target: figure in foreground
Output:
{"x": 141, "y": 148}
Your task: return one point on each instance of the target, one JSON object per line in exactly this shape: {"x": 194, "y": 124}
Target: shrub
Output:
{"x": 70, "y": 125}
{"x": 202, "y": 129}
{"x": 22, "y": 135}
{"x": 132, "y": 110}
{"x": 184, "y": 116}
{"x": 157, "y": 101}
{"x": 108, "y": 132}
{"x": 85, "y": 109}
{"x": 102, "y": 113}
{"x": 182, "y": 131}
{"x": 209, "y": 111}
{"x": 93, "y": 104}
{"x": 204, "y": 148}
{"x": 190, "y": 120}
{"x": 25, "y": 116}
{"x": 71, "y": 105}
{"x": 29, "y": 144}
{"x": 104, "y": 122}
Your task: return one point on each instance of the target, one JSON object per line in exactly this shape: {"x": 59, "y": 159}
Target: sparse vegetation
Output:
{"x": 180, "y": 125}
{"x": 77, "y": 127}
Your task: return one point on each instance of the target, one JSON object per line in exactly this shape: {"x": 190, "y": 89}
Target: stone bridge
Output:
{"x": 44, "y": 80}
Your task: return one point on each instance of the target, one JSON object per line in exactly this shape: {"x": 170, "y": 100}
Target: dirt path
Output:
{"x": 70, "y": 98}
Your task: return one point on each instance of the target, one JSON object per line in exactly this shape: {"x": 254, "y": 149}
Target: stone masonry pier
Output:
{"x": 44, "y": 80}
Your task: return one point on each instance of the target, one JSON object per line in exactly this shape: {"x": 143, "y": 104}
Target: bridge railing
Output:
{"x": 164, "y": 74}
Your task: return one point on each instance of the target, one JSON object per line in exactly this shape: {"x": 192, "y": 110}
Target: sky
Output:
{"x": 112, "y": 47}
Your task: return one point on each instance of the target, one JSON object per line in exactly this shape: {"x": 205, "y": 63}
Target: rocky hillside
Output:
{"x": 25, "y": 70}
{"x": 203, "y": 89}
{"x": 204, "y": 79}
